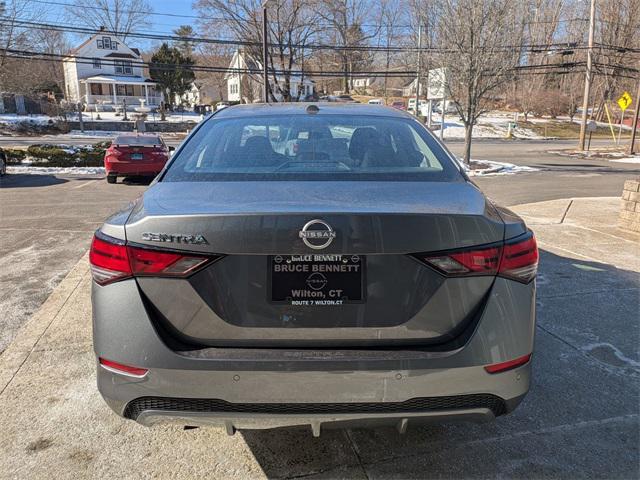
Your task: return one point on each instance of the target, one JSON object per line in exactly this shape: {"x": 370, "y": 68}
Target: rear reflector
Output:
{"x": 112, "y": 260}
{"x": 121, "y": 368}
{"x": 511, "y": 364}
{"x": 516, "y": 259}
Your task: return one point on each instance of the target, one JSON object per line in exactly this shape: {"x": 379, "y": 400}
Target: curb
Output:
{"x": 12, "y": 359}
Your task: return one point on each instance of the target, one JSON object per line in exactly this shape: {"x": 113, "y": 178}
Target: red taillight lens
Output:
{"x": 520, "y": 259}
{"x": 121, "y": 368}
{"x": 111, "y": 260}
{"x": 509, "y": 365}
{"x": 517, "y": 260}
{"x": 151, "y": 262}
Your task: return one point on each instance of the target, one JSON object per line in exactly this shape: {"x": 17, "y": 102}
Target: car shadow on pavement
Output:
{"x": 18, "y": 180}
{"x": 137, "y": 180}
{"x": 580, "y": 418}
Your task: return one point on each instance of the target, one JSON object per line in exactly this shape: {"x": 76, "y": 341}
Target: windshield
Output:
{"x": 134, "y": 140}
{"x": 313, "y": 147}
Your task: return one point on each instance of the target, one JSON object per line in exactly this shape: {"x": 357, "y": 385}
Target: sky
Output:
{"x": 159, "y": 24}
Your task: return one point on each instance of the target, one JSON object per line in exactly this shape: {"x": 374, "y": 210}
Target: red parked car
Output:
{"x": 399, "y": 105}
{"x": 134, "y": 155}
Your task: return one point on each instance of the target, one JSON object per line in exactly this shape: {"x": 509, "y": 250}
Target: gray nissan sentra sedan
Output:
{"x": 322, "y": 265}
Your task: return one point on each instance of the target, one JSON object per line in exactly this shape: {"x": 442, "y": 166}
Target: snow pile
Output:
{"x": 481, "y": 168}
{"x": 29, "y": 170}
{"x": 634, "y": 159}
{"x": 488, "y": 127}
{"x": 12, "y": 118}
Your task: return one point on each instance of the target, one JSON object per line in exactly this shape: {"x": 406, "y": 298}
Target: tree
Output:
{"x": 292, "y": 24}
{"x": 480, "y": 40}
{"x": 347, "y": 19}
{"x": 186, "y": 45}
{"x": 172, "y": 71}
{"x": 122, "y": 16}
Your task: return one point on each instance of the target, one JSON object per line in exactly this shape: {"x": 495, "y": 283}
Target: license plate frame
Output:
{"x": 137, "y": 156}
{"x": 320, "y": 280}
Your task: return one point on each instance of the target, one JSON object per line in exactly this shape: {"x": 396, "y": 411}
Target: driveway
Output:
{"x": 580, "y": 419}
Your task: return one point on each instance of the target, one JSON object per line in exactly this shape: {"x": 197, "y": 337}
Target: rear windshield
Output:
{"x": 313, "y": 147}
{"x": 141, "y": 141}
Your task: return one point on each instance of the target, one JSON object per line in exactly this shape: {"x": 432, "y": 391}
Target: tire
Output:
{"x": 112, "y": 178}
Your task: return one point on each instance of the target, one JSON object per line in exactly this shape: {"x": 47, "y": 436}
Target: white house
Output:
{"x": 105, "y": 71}
{"x": 247, "y": 88}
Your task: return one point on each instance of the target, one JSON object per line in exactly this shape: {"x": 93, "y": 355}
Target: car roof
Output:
{"x": 300, "y": 108}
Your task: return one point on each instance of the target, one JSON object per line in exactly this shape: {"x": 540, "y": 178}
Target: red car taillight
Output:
{"x": 517, "y": 260}
{"x": 113, "y": 260}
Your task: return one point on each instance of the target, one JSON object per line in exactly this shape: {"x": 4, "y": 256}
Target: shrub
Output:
{"x": 66, "y": 156}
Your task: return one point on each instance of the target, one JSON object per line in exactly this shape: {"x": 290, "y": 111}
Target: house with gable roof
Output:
{"x": 104, "y": 71}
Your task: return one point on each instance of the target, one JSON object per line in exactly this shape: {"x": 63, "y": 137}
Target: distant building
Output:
{"x": 247, "y": 87}
{"x": 104, "y": 71}
{"x": 367, "y": 85}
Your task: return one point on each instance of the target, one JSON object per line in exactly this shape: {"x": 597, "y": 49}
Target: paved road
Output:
{"x": 20, "y": 141}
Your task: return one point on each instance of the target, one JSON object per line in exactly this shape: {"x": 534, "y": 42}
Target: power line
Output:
{"x": 53, "y": 57}
{"x": 535, "y": 48}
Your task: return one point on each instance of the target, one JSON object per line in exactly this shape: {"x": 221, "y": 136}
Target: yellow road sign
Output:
{"x": 624, "y": 101}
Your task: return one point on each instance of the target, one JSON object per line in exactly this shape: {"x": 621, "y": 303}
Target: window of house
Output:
{"x": 97, "y": 63}
{"x": 123, "y": 67}
{"x": 95, "y": 88}
{"x": 106, "y": 43}
{"x": 125, "y": 90}
{"x": 99, "y": 43}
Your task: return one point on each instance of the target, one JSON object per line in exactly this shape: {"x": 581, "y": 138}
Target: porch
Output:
{"x": 104, "y": 92}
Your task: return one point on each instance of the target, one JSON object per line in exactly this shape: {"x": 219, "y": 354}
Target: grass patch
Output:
{"x": 563, "y": 129}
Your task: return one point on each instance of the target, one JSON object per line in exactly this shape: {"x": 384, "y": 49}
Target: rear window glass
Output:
{"x": 143, "y": 141}
{"x": 314, "y": 147}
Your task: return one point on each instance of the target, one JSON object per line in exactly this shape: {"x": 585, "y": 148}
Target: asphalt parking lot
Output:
{"x": 46, "y": 225}
{"x": 581, "y": 419}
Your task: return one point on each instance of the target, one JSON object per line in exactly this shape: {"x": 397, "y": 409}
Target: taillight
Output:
{"x": 520, "y": 259}
{"x": 516, "y": 259}
{"x": 109, "y": 260}
{"x": 152, "y": 262}
{"x": 112, "y": 260}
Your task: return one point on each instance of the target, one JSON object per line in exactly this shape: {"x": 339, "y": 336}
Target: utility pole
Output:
{"x": 265, "y": 46}
{"x": 589, "y": 75}
{"x": 634, "y": 125}
{"x": 418, "y": 67}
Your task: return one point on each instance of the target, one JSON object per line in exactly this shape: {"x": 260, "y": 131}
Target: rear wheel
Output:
{"x": 111, "y": 178}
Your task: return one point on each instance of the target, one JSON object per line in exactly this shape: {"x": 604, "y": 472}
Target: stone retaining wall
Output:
{"x": 121, "y": 126}
{"x": 630, "y": 211}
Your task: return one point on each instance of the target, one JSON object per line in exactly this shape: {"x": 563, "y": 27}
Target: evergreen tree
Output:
{"x": 172, "y": 71}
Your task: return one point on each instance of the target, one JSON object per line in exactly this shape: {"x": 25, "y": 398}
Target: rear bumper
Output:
{"x": 126, "y": 168}
{"x": 264, "y": 388}
{"x": 259, "y": 400}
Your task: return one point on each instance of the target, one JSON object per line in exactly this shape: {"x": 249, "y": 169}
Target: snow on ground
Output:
{"x": 151, "y": 117}
{"x": 489, "y": 167}
{"x": 29, "y": 170}
{"x": 12, "y": 118}
{"x": 634, "y": 159}
{"x": 489, "y": 126}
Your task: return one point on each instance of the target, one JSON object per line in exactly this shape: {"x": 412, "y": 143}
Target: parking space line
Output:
{"x": 82, "y": 185}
